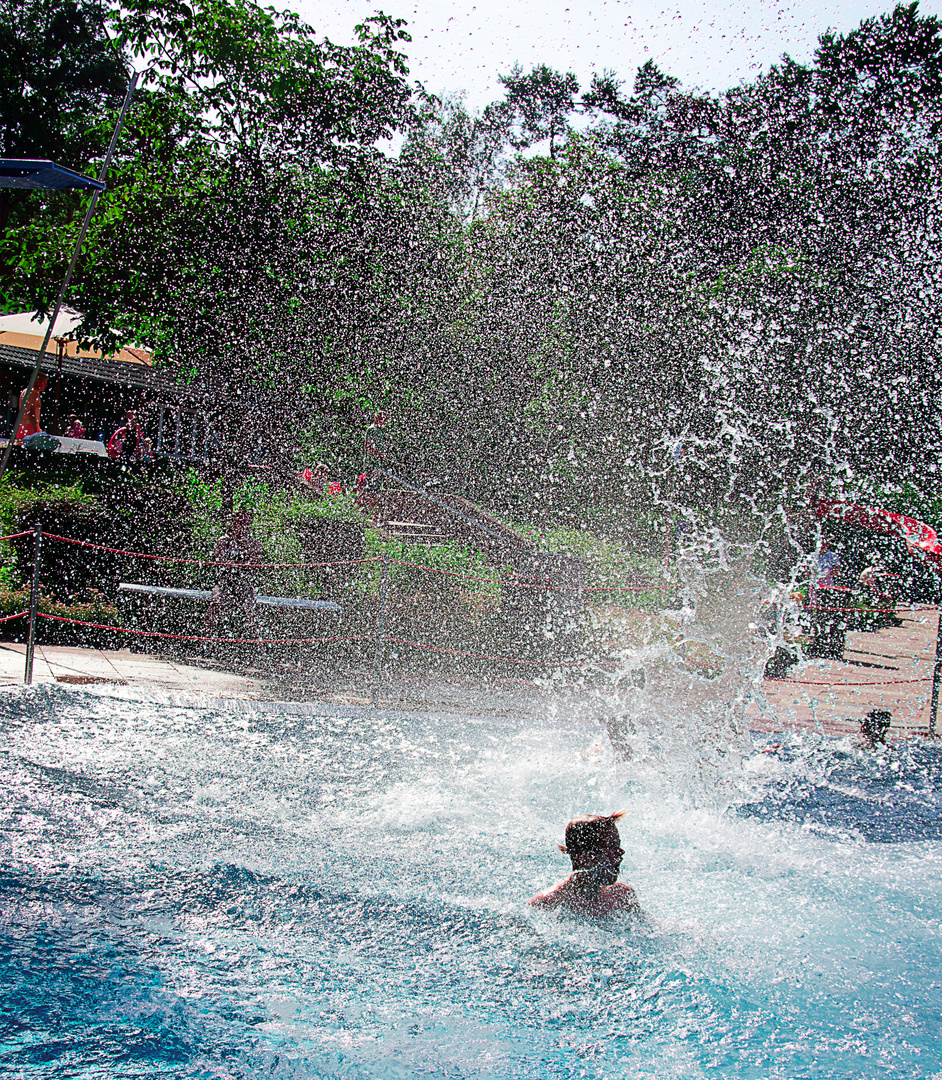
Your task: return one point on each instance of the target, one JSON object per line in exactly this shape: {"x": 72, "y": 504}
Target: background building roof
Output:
{"x": 27, "y": 332}
{"x": 139, "y": 375}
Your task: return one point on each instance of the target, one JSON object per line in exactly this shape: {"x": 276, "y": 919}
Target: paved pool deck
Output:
{"x": 82, "y": 667}
{"x": 890, "y": 669}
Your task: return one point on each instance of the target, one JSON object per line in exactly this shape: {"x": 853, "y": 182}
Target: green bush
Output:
{"x": 406, "y": 573}
{"x": 278, "y": 521}
{"x": 93, "y": 607}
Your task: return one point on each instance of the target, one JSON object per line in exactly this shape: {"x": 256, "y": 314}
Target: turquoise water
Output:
{"x": 243, "y": 892}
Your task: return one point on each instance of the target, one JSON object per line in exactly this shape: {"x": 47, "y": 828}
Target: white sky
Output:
{"x": 708, "y": 45}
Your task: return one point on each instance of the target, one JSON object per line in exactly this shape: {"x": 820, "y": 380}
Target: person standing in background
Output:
{"x": 235, "y": 591}
{"x": 375, "y": 443}
{"x": 30, "y": 424}
{"x": 75, "y": 429}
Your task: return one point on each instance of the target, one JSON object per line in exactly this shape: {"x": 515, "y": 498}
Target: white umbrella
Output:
{"x": 25, "y": 322}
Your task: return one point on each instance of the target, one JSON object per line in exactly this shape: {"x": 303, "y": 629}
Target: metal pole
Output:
{"x": 33, "y": 604}
{"x": 67, "y": 279}
{"x": 936, "y": 672}
{"x": 383, "y": 582}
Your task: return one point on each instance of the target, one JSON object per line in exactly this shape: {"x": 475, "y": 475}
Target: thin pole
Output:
{"x": 33, "y": 604}
{"x": 68, "y": 276}
{"x": 380, "y": 616}
{"x": 936, "y": 672}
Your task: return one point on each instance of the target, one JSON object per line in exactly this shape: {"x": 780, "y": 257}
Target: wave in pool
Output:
{"x": 194, "y": 891}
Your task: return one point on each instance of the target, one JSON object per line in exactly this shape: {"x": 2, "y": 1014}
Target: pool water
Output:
{"x": 192, "y": 891}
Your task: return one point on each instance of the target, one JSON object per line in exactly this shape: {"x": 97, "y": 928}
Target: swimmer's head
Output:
{"x": 594, "y": 847}
{"x": 591, "y": 833}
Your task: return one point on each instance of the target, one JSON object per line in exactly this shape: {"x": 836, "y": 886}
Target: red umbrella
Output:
{"x": 921, "y": 539}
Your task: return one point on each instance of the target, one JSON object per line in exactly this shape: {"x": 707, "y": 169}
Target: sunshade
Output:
{"x": 25, "y": 322}
{"x": 42, "y": 175}
{"x": 921, "y": 539}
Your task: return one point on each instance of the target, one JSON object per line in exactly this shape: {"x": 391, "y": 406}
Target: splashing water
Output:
{"x": 301, "y": 892}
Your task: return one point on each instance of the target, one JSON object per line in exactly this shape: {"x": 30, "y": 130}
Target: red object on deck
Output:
{"x": 921, "y": 539}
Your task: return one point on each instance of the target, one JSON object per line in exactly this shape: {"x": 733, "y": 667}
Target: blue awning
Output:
{"x": 43, "y": 176}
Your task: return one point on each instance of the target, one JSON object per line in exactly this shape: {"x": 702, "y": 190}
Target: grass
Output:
{"x": 613, "y": 569}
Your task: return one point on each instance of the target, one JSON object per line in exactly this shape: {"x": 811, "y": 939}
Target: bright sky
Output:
{"x": 708, "y": 45}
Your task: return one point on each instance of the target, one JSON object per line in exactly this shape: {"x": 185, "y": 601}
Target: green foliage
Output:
{"x": 92, "y": 607}
{"x": 15, "y": 504}
{"x": 60, "y": 77}
{"x": 451, "y": 568}
{"x": 539, "y": 104}
{"x": 278, "y": 520}
{"x": 750, "y": 275}
{"x": 16, "y": 499}
{"x": 256, "y": 83}
{"x": 924, "y": 505}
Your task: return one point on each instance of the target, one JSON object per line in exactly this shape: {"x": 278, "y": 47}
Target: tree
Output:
{"x": 538, "y": 105}
{"x": 240, "y": 192}
{"x": 59, "y": 73}
{"x": 60, "y": 78}
{"x": 257, "y": 85}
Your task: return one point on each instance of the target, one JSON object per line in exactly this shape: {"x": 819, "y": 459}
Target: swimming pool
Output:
{"x": 193, "y": 891}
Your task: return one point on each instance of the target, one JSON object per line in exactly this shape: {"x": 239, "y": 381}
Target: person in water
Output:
{"x": 594, "y": 846}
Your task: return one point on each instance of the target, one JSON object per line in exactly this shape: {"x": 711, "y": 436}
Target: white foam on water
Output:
{"x": 329, "y": 892}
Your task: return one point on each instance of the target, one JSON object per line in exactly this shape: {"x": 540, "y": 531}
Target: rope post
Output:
{"x": 936, "y": 673}
{"x": 380, "y": 616}
{"x": 33, "y": 604}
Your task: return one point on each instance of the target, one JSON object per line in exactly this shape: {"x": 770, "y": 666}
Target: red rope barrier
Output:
{"x": 282, "y": 641}
{"x": 203, "y": 562}
{"x": 18, "y": 615}
{"x": 542, "y": 583}
{"x": 886, "y": 682}
{"x": 872, "y": 610}
{"x": 16, "y": 536}
{"x": 622, "y": 588}
{"x": 386, "y": 638}
{"x": 192, "y": 637}
{"x": 470, "y": 577}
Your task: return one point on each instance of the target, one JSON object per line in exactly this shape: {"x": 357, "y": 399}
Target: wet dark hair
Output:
{"x": 592, "y": 832}
{"x": 876, "y": 724}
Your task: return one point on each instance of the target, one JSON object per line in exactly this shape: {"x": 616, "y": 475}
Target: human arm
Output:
{"x": 116, "y": 442}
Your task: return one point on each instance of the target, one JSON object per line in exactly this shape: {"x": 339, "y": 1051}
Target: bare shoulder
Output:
{"x": 550, "y": 898}
{"x": 620, "y": 897}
